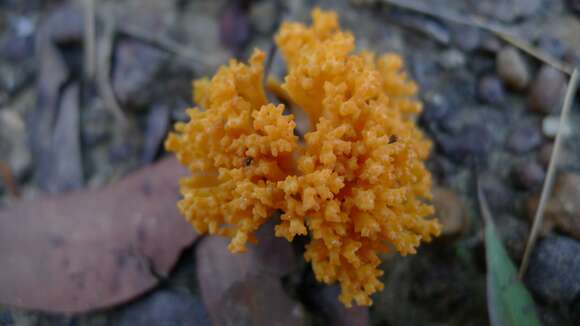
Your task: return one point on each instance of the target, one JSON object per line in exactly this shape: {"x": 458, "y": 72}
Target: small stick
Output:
{"x": 89, "y": 38}
{"x": 479, "y": 22}
{"x": 103, "y": 73}
{"x": 550, "y": 176}
{"x": 8, "y": 177}
{"x": 167, "y": 44}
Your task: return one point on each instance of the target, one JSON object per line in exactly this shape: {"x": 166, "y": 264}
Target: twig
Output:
{"x": 89, "y": 38}
{"x": 167, "y": 44}
{"x": 550, "y": 176}
{"x": 479, "y": 22}
{"x": 103, "y": 73}
{"x": 8, "y": 178}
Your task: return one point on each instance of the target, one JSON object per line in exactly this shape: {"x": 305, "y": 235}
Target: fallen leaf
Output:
{"x": 225, "y": 278}
{"x": 258, "y": 300}
{"x": 93, "y": 249}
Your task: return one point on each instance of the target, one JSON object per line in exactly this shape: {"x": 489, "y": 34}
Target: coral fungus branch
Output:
{"x": 357, "y": 185}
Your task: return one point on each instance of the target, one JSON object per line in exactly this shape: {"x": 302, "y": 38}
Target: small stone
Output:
{"x": 436, "y": 108}
{"x": 491, "y": 90}
{"x": 514, "y": 234}
{"x": 452, "y": 59}
{"x": 553, "y": 271}
{"x": 574, "y": 5}
{"x": 508, "y": 10}
{"x": 14, "y": 47}
{"x": 65, "y": 24}
{"x": 471, "y": 140}
{"x": 547, "y": 90}
{"x": 498, "y": 194}
{"x": 524, "y": 138}
{"x": 466, "y": 38}
{"x": 563, "y": 207}
{"x": 490, "y": 43}
{"x": 165, "y": 308}
{"x": 451, "y": 212}
{"x": 528, "y": 175}
{"x": 6, "y": 318}
{"x": 512, "y": 68}
{"x": 551, "y": 124}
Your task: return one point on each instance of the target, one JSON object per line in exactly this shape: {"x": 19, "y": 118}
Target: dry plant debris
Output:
{"x": 92, "y": 249}
{"x": 357, "y": 184}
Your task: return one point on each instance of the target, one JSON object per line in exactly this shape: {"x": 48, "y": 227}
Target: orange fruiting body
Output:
{"x": 357, "y": 184}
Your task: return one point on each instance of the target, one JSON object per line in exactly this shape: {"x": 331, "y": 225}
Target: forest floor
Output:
{"x": 491, "y": 109}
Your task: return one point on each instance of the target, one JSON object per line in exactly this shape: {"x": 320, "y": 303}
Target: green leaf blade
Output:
{"x": 509, "y": 302}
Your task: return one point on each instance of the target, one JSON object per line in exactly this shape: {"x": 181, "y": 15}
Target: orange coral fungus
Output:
{"x": 357, "y": 184}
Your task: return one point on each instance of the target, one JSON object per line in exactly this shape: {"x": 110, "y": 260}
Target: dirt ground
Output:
{"x": 71, "y": 123}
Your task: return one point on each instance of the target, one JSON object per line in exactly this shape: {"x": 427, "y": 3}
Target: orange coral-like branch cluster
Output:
{"x": 357, "y": 184}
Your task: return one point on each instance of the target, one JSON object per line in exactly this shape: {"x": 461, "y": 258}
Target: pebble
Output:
{"x": 451, "y": 212}
{"x": 471, "y": 140}
{"x": 466, "y": 38}
{"x": 491, "y": 90}
{"x": 436, "y": 108}
{"x": 551, "y": 124}
{"x": 553, "y": 271}
{"x": 452, "y": 59}
{"x": 547, "y": 90}
{"x": 524, "y": 138}
{"x": 528, "y": 175}
{"x": 14, "y": 47}
{"x": 512, "y": 68}
{"x": 165, "y": 307}
{"x": 574, "y": 5}
{"x": 514, "y": 234}
{"x": 562, "y": 210}
{"x": 508, "y": 10}
{"x": 490, "y": 43}
{"x": 65, "y": 24}
{"x": 6, "y": 318}
{"x": 498, "y": 194}
{"x": 13, "y": 143}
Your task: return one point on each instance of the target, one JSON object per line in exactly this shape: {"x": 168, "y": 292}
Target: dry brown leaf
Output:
{"x": 246, "y": 287}
{"x": 92, "y": 249}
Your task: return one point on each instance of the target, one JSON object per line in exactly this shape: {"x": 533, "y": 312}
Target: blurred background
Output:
{"x": 89, "y": 90}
